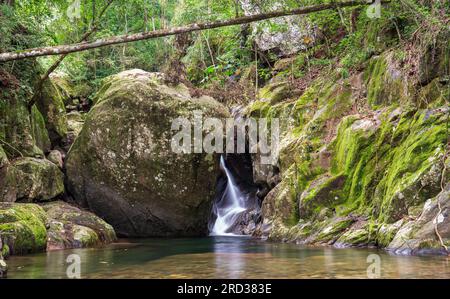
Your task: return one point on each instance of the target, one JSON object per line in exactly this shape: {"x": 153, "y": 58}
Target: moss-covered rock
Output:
{"x": 122, "y": 165}
{"x": 386, "y": 84}
{"x": 51, "y": 105}
{"x": 39, "y": 131}
{"x": 70, "y": 227}
{"x": 325, "y": 191}
{"x": 37, "y": 179}
{"x": 333, "y": 230}
{"x": 434, "y": 61}
{"x": 63, "y": 84}
{"x": 16, "y": 129}
{"x": 423, "y": 234}
{"x": 22, "y": 227}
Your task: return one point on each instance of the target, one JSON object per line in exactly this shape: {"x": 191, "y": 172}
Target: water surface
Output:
{"x": 223, "y": 257}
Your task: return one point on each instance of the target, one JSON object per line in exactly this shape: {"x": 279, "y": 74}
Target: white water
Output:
{"x": 229, "y": 206}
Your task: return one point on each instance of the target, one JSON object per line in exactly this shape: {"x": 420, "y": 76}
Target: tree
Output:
{"x": 126, "y": 38}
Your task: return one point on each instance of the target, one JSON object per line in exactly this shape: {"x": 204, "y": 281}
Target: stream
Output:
{"x": 223, "y": 257}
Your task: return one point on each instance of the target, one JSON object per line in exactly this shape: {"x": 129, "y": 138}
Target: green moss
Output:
{"x": 22, "y": 227}
{"x": 64, "y": 86}
{"x": 16, "y": 132}
{"x": 354, "y": 237}
{"x": 334, "y": 229}
{"x": 39, "y": 131}
{"x": 325, "y": 192}
{"x": 385, "y": 83}
{"x": 38, "y": 179}
{"x": 52, "y": 107}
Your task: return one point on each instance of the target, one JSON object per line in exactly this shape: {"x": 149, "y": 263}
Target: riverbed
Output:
{"x": 226, "y": 257}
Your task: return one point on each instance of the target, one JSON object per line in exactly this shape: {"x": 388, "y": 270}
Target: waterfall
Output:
{"x": 229, "y": 206}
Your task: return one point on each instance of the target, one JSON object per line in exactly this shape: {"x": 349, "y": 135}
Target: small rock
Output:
{"x": 56, "y": 158}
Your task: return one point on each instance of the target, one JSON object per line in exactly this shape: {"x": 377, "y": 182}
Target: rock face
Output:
{"x": 70, "y": 227}
{"x": 122, "y": 166}
{"x": 360, "y": 176}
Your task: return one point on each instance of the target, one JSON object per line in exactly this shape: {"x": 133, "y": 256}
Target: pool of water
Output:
{"x": 225, "y": 257}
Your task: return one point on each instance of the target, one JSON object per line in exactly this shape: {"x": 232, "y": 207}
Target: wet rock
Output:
{"x": 70, "y": 227}
{"x": 122, "y": 165}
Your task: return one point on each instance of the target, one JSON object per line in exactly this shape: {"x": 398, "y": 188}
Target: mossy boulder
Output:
{"x": 37, "y": 179}
{"x": 63, "y": 84}
{"x": 71, "y": 227}
{"x": 16, "y": 129}
{"x": 22, "y": 227}
{"x": 122, "y": 165}
{"x": 39, "y": 130}
{"x": 52, "y": 107}
{"x": 386, "y": 83}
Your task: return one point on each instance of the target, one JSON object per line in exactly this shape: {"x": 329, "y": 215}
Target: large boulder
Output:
{"x": 122, "y": 166}
{"x": 71, "y": 227}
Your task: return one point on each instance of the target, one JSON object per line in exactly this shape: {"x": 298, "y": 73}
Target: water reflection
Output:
{"x": 223, "y": 257}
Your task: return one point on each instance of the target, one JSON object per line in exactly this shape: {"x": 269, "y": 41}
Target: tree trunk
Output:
{"x": 65, "y": 49}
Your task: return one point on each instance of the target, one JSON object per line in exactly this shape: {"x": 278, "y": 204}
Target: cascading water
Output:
{"x": 229, "y": 207}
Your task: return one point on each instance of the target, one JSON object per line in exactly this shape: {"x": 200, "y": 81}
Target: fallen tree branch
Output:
{"x": 54, "y": 66}
{"x": 82, "y": 46}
